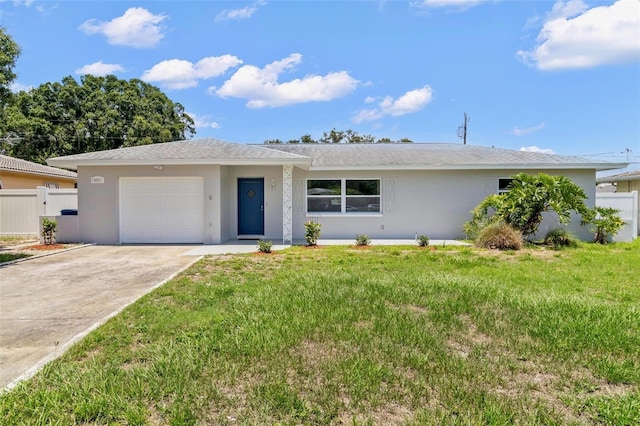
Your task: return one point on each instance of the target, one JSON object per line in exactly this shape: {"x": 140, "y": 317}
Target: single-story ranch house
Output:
{"x": 210, "y": 191}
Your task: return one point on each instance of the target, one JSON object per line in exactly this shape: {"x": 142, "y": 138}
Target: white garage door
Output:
{"x": 161, "y": 210}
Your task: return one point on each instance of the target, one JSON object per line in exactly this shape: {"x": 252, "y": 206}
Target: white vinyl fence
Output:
{"x": 627, "y": 203}
{"x": 20, "y": 209}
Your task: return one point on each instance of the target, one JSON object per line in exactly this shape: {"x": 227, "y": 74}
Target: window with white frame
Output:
{"x": 503, "y": 185}
{"x": 343, "y": 196}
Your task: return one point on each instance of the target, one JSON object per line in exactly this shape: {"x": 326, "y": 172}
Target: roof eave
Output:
{"x": 49, "y": 175}
{"x": 617, "y": 179}
{"x": 502, "y": 166}
{"x": 74, "y": 164}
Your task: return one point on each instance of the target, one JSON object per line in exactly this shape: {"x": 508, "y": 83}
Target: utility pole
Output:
{"x": 462, "y": 130}
{"x": 628, "y": 151}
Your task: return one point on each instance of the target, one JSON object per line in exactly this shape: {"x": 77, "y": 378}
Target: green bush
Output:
{"x": 49, "y": 228}
{"x": 423, "y": 240}
{"x": 312, "y": 232}
{"x": 528, "y": 197}
{"x": 264, "y": 246}
{"x": 362, "y": 240}
{"x": 559, "y": 238}
{"x": 607, "y": 223}
{"x": 500, "y": 236}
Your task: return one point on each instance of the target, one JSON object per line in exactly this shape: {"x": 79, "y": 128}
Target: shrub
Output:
{"x": 500, "y": 236}
{"x": 472, "y": 228}
{"x": 362, "y": 240}
{"x": 312, "y": 232}
{"x": 559, "y": 237}
{"x": 49, "y": 228}
{"x": 264, "y": 246}
{"x": 607, "y": 223}
{"x": 423, "y": 240}
{"x": 528, "y": 197}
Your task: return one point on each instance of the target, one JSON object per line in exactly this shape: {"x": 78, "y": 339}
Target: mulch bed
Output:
{"x": 45, "y": 247}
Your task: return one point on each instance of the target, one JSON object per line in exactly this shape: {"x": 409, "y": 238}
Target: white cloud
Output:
{"x": 527, "y": 130}
{"x": 410, "y": 102}
{"x": 574, "y": 36}
{"x": 457, "y": 4}
{"x": 136, "y": 28}
{"x": 238, "y": 14}
{"x": 25, "y": 3}
{"x": 18, "y": 87}
{"x": 262, "y": 88}
{"x": 99, "y": 69}
{"x": 203, "y": 121}
{"x": 369, "y": 100}
{"x": 181, "y": 74}
{"x": 534, "y": 148}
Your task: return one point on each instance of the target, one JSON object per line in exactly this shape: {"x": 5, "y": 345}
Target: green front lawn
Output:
{"x": 380, "y": 335}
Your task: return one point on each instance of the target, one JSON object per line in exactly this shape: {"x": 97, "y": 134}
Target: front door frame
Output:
{"x": 250, "y": 210}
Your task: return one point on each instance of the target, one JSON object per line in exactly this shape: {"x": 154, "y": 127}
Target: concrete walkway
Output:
{"x": 49, "y": 303}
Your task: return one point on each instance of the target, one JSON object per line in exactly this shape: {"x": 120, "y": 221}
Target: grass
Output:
{"x": 387, "y": 335}
{"x": 8, "y": 257}
{"x": 15, "y": 239}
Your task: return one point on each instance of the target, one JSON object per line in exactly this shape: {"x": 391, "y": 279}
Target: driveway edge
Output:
{"x": 38, "y": 256}
{"x": 64, "y": 347}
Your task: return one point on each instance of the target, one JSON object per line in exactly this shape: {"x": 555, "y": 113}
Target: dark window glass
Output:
{"x": 503, "y": 184}
{"x": 324, "y": 187}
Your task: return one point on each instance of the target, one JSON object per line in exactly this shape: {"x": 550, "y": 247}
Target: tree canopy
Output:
{"x": 96, "y": 114}
{"x": 9, "y": 53}
{"x": 338, "y": 136}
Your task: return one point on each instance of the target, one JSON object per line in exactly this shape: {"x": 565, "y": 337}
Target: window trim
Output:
{"x": 343, "y": 198}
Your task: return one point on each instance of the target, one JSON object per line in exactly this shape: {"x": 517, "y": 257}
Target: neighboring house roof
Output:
{"x": 435, "y": 156}
{"x": 605, "y": 188}
{"x": 409, "y": 156}
{"x": 17, "y": 165}
{"x": 622, "y": 177}
{"x": 198, "y": 151}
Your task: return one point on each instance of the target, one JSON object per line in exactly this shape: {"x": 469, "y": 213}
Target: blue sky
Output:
{"x": 561, "y": 76}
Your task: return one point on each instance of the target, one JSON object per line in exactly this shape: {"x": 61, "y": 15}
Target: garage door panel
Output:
{"x": 161, "y": 210}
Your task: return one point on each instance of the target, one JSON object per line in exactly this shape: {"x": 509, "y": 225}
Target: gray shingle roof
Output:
{"x": 23, "y": 166}
{"x": 205, "y": 151}
{"x": 435, "y": 156}
{"x": 622, "y": 177}
{"x": 431, "y": 155}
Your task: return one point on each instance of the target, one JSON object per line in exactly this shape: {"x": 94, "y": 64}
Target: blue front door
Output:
{"x": 251, "y": 206}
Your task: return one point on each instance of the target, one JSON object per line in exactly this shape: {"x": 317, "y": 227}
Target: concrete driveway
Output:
{"x": 47, "y": 304}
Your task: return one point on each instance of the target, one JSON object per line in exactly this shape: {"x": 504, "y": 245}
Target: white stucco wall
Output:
{"x": 434, "y": 203}
{"x": 98, "y": 203}
{"x": 272, "y": 198}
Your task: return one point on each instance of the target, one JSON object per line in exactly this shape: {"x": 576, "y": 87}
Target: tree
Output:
{"x": 307, "y": 139}
{"x": 9, "y": 53}
{"x": 338, "y": 136}
{"x": 606, "y": 223}
{"x": 96, "y": 114}
{"x": 333, "y": 136}
{"x": 527, "y": 198}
